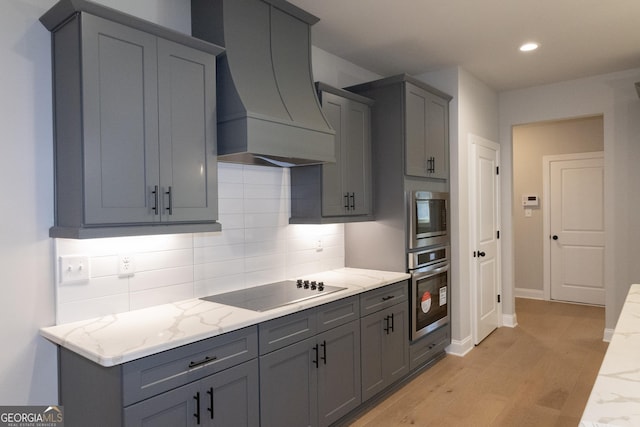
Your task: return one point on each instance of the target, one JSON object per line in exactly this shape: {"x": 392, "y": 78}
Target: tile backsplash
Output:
{"x": 256, "y": 246}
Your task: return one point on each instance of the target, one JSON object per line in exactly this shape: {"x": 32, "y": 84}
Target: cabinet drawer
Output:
{"x": 280, "y": 332}
{"x": 425, "y": 349}
{"x": 384, "y": 297}
{"x": 338, "y": 313}
{"x": 160, "y": 372}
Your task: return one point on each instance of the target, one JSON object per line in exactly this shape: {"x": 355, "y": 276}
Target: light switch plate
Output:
{"x": 74, "y": 269}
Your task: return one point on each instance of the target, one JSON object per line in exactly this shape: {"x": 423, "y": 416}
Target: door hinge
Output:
{"x": 497, "y": 170}
{"x": 498, "y": 234}
{"x": 498, "y": 297}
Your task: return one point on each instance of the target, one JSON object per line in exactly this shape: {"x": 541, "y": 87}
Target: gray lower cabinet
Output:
{"x": 384, "y": 338}
{"x": 313, "y": 381}
{"x": 135, "y": 126}
{"x": 229, "y": 398}
{"x": 340, "y": 191}
{"x": 212, "y": 382}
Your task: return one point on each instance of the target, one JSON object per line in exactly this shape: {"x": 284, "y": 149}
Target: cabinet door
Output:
{"x": 339, "y": 389}
{"x": 385, "y": 349}
{"x": 120, "y": 130}
{"x": 288, "y": 386}
{"x": 357, "y": 165}
{"x": 231, "y": 397}
{"x": 426, "y": 134}
{"x": 372, "y": 335}
{"x": 396, "y": 345}
{"x": 415, "y": 131}
{"x": 438, "y": 136}
{"x": 334, "y": 196}
{"x": 187, "y": 126}
{"x": 175, "y": 408}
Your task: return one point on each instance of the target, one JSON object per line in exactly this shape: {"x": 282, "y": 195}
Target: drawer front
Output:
{"x": 384, "y": 297}
{"x": 338, "y": 313}
{"x": 424, "y": 350}
{"x": 160, "y": 372}
{"x": 280, "y": 332}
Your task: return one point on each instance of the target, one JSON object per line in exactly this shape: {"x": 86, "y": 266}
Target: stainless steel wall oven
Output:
{"x": 429, "y": 289}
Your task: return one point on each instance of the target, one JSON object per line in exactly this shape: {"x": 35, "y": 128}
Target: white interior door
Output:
{"x": 485, "y": 226}
{"x": 576, "y": 229}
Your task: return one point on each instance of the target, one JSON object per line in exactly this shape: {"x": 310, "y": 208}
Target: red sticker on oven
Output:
{"x": 425, "y": 304}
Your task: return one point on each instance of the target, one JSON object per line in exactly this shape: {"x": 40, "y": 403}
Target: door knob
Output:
{"x": 555, "y": 237}
{"x": 481, "y": 253}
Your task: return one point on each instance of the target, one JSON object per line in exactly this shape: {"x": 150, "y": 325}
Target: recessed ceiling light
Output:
{"x": 528, "y": 47}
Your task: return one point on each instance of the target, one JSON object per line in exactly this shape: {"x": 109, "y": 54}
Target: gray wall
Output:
{"x": 530, "y": 143}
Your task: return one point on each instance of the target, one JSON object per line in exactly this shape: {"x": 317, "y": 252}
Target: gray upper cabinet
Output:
{"x": 411, "y": 126}
{"x": 340, "y": 191}
{"x": 135, "y": 127}
{"x": 427, "y": 138}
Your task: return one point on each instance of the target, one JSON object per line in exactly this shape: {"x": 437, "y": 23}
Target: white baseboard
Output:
{"x": 460, "y": 347}
{"x": 608, "y": 334}
{"x": 528, "y": 293}
{"x": 510, "y": 320}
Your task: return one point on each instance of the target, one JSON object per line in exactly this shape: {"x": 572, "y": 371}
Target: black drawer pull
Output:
{"x": 388, "y": 297}
{"x": 202, "y": 362}
{"x": 324, "y": 351}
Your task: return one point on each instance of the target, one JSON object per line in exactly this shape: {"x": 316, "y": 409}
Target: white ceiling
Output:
{"x": 578, "y": 38}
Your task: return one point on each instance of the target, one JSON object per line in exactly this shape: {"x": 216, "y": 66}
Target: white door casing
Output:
{"x": 485, "y": 275}
{"x": 574, "y": 227}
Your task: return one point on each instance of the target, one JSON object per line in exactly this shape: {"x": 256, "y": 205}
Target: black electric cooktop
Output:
{"x": 274, "y": 295}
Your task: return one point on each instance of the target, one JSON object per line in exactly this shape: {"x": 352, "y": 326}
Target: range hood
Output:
{"x": 267, "y": 106}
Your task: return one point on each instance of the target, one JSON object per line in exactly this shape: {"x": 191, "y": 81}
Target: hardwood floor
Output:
{"x": 537, "y": 374}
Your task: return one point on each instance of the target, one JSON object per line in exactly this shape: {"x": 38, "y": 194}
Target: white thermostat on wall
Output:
{"x": 529, "y": 200}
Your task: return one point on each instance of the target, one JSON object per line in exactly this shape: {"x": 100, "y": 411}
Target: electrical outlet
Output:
{"x": 126, "y": 265}
{"x": 319, "y": 245}
{"x": 74, "y": 269}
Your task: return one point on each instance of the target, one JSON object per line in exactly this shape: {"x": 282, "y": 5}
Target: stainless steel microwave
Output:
{"x": 428, "y": 224}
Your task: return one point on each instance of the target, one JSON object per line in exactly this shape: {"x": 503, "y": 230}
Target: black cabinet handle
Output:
{"x": 155, "y": 200}
{"x": 353, "y": 201}
{"x": 210, "y": 408}
{"x": 202, "y": 362}
{"x": 170, "y": 205}
{"x": 315, "y": 348}
{"x": 481, "y": 253}
{"x": 555, "y": 237}
{"x": 388, "y": 297}
{"x": 197, "y": 414}
{"x": 392, "y": 322}
{"x": 386, "y": 322}
{"x": 324, "y": 351}
{"x": 346, "y": 201}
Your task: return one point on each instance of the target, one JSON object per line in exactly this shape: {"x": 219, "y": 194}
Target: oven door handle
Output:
{"x": 423, "y": 273}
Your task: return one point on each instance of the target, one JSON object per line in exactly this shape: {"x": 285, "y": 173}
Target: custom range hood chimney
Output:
{"x": 267, "y": 106}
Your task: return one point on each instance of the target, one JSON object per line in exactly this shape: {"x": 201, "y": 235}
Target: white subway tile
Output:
{"x": 261, "y": 234}
{"x": 264, "y": 175}
{"x": 261, "y": 191}
{"x": 94, "y": 288}
{"x": 218, "y": 253}
{"x": 163, "y": 295}
{"x": 218, "y": 269}
{"x": 218, "y": 285}
{"x": 147, "y": 261}
{"x": 226, "y": 237}
{"x": 231, "y": 190}
{"x": 262, "y": 277}
{"x": 264, "y": 262}
{"x": 266, "y": 247}
{"x": 252, "y": 220}
{"x": 160, "y": 278}
{"x": 231, "y": 206}
{"x": 103, "y": 266}
{"x": 90, "y": 308}
{"x": 230, "y": 172}
{"x": 231, "y": 221}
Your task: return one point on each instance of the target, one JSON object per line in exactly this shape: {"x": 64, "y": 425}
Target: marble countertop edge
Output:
{"x": 119, "y": 338}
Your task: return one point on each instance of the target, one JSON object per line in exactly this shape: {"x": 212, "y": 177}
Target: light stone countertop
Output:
{"x": 615, "y": 397}
{"x": 119, "y": 338}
